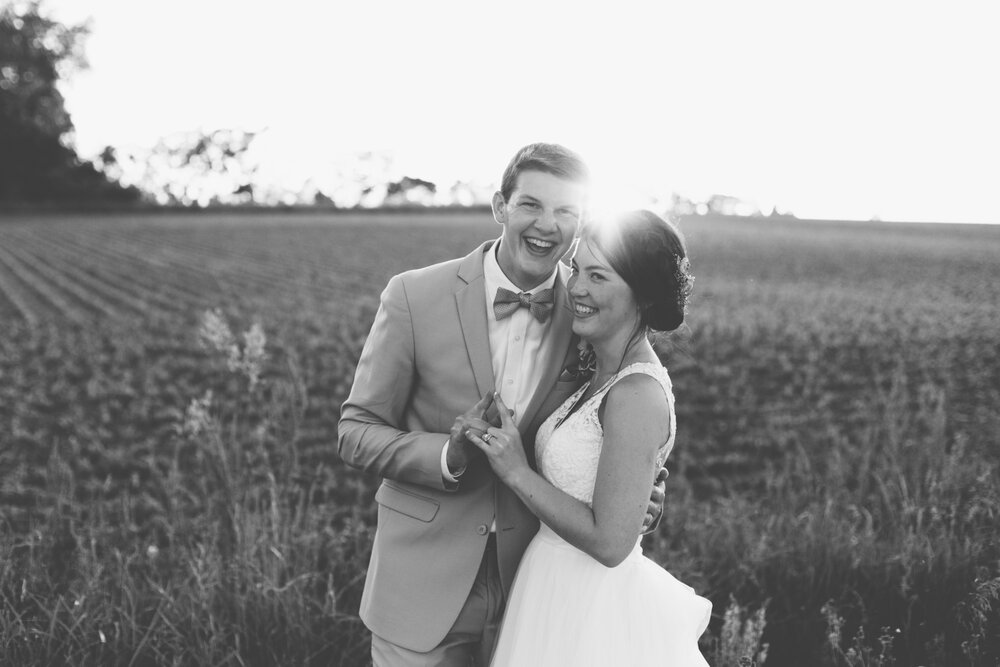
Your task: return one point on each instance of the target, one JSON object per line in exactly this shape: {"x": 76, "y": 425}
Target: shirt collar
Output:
{"x": 496, "y": 278}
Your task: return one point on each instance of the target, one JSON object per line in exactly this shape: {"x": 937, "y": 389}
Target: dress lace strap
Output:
{"x": 650, "y": 368}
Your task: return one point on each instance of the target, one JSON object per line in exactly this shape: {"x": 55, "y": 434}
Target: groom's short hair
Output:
{"x": 550, "y": 158}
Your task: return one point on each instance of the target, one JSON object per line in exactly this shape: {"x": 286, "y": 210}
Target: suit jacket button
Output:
{"x": 483, "y": 529}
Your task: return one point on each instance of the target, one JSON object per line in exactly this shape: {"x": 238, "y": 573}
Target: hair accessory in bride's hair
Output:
{"x": 684, "y": 280}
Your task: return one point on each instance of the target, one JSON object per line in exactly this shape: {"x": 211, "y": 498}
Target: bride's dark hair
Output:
{"x": 649, "y": 254}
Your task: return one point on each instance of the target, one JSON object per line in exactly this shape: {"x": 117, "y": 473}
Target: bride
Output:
{"x": 584, "y": 594}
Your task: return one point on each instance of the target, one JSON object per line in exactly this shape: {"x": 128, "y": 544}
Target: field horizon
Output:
{"x": 40, "y": 214}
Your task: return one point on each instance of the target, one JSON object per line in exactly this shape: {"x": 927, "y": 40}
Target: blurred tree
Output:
{"x": 37, "y": 161}
{"x": 35, "y": 52}
{"x": 322, "y": 200}
{"x": 409, "y": 191}
{"x": 729, "y": 205}
{"x": 680, "y": 205}
{"x": 195, "y": 168}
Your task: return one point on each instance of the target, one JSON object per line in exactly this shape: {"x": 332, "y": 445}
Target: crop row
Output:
{"x": 62, "y": 273}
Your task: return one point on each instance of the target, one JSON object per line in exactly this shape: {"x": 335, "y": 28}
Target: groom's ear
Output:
{"x": 499, "y": 208}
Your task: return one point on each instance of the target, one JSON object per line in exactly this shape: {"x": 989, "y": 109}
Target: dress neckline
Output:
{"x": 578, "y": 404}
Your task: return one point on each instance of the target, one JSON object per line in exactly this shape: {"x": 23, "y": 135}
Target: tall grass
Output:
{"x": 230, "y": 561}
{"x": 893, "y": 532}
{"x": 235, "y": 553}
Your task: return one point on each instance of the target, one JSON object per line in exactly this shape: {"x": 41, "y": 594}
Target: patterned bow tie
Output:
{"x": 506, "y": 302}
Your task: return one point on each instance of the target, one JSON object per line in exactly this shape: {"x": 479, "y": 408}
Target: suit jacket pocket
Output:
{"x": 406, "y": 502}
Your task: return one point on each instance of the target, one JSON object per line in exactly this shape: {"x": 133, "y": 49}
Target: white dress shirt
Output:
{"x": 518, "y": 344}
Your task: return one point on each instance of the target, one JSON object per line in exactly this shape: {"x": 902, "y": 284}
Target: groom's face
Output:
{"x": 539, "y": 222}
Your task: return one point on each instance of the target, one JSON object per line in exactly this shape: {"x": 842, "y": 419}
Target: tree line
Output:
{"x": 39, "y": 164}
{"x": 37, "y": 161}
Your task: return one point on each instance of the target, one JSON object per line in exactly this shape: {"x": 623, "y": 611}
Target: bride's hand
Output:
{"x": 502, "y": 446}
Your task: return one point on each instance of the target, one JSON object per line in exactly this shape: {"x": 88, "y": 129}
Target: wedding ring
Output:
{"x": 487, "y": 437}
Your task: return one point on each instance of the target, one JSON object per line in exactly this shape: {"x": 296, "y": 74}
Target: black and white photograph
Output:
{"x": 373, "y": 333}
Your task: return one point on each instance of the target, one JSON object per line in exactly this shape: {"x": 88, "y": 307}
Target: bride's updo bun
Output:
{"x": 649, "y": 254}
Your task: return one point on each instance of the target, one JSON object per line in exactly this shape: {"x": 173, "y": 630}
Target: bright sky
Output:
{"x": 844, "y": 109}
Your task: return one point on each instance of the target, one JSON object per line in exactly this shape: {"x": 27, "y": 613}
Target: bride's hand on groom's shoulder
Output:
{"x": 502, "y": 445}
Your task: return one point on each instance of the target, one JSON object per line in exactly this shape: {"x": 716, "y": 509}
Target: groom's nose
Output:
{"x": 546, "y": 220}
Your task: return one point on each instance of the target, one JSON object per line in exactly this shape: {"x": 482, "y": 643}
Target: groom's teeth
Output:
{"x": 541, "y": 245}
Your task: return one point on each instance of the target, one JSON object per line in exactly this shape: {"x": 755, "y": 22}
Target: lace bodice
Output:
{"x": 567, "y": 455}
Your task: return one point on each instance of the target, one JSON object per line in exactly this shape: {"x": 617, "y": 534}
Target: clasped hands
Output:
{"x": 501, "y": 444}
{"x": 505, "y": 452}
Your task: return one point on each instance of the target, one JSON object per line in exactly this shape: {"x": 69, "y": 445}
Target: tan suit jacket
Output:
{"x": 427, "y": 360}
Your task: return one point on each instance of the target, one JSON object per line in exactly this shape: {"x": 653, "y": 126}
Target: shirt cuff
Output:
{"x": 447, "y": 474}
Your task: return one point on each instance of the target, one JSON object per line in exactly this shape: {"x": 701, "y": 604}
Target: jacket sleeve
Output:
{"x": 371, "y": 434}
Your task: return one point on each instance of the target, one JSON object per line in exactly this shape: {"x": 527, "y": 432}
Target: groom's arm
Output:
{"x": 370, "y": 436}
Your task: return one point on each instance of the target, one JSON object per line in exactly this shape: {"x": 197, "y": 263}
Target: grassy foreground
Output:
{"x": 835, "y": 488}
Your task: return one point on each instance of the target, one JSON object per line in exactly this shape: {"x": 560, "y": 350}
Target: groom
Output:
{"x": 449, "y": 535}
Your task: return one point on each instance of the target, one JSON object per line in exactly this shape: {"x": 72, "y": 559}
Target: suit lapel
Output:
{"x": 470, "y": 297}
{"x": 561, "y": 332}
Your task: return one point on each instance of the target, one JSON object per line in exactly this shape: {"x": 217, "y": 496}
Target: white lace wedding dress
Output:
{"x": 565, "y": 608}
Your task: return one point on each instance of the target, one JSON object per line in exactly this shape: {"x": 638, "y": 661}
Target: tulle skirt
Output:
{"x": 566, "y": 608}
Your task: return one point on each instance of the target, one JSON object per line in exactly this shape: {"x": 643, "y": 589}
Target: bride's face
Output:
{"x": 603, "y": 303}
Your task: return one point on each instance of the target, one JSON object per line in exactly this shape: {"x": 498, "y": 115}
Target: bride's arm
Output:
{"x": 636, "y": 422}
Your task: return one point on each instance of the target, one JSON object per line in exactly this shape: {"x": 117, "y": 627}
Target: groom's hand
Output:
{"x": 459, "y": 445}
{"x": 656, "y": 498}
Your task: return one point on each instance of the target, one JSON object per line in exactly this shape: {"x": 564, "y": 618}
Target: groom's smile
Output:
{"x": 538, "y": 246}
